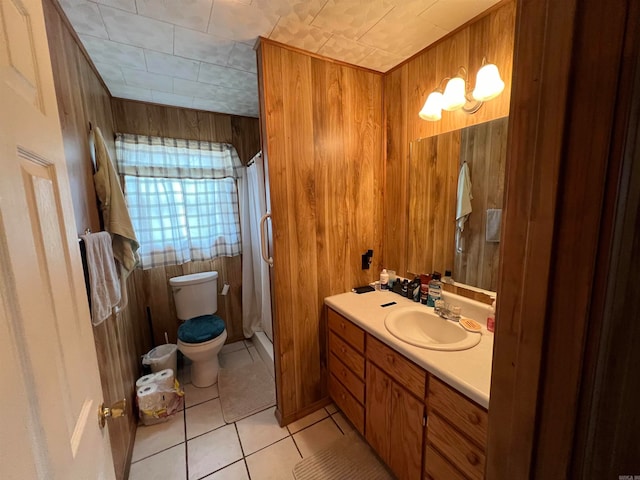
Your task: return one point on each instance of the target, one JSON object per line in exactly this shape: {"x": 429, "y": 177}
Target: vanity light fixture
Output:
{"x": 457, "y": 95}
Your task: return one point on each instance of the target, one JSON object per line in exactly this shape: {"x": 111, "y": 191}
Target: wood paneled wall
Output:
{"x": 433, "y": 180}
{"x": 161, "y": 121}
{"x": 405, "y": 91}
{"x": 153, "y": 284}
{"x": 484, "y": 148}
{"x": 322, "y": 141}
{"x": 82, "y": 98}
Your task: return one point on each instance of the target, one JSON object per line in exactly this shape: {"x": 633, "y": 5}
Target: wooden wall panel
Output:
{"x": 322, "y": 138}
{"x": 243, "y": 132}
{"x": 484, "y": 148}
{"x": 141, "y": 118}
{"x": 432, "y": 203}
{"x": 406, "y": 89}
{"x": 82, "y": 98}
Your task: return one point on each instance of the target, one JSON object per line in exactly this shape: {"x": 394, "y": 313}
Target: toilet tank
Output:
{"x": 195, "y": 294}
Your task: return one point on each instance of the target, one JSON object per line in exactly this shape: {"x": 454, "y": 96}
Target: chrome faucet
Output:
{"x": 447, "y": 311}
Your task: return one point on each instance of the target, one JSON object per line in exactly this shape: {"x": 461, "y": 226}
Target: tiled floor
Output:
{"x": 197, "y": 443}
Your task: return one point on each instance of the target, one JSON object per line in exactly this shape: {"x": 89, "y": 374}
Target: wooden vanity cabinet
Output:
{"x": 395, "y": 415}
{"x": 382, "y": 393}
{"x": 456, "y": 435}
{"x": 347, "y": 368}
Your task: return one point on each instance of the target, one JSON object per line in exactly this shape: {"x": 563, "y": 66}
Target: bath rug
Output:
{"x": 245, "y": 390}
{"x": 350, "y": 457}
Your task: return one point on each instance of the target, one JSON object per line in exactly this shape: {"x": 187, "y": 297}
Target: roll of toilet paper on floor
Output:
{"x": 150, "y": 397}
{"x": 164, "y": 378}
{"x": 146, "y": 380}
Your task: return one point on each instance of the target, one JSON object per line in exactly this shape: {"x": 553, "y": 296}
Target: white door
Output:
{"x": 50, "y": 385}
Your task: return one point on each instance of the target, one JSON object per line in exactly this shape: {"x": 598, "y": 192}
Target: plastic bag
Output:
{"x": 158, "y": 402}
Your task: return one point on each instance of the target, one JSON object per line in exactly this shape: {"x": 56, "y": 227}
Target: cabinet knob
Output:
{"x": 474, "y": 418}
{"x": 472, "y": 458}
{"x": 342, "y": 325}
{"x": 343, "y": 350}
{"x": 391, "y": 358}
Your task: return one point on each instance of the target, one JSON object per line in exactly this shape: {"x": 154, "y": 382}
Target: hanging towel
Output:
{"x": 103, "y": 278}
{"x": 494, "y": 220}
{"x": 114, "y": 208}
{"x": 463, "y": 207}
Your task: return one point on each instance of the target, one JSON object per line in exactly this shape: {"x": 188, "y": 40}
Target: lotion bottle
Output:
{"x": 384, "y": 280}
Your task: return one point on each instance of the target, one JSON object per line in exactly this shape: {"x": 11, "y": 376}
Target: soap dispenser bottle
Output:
{"x": 384, "y": 279}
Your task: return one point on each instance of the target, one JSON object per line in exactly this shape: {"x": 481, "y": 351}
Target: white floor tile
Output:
{"x": 317, "y": 437}
{"x": 204, "y": 417}
{"x": 331, "y": 408}
{"x": 194, "y": 395}
{"x": 259, "y": 431}
{"x": 343, "y": 423}
{"x": 154, "y": 438}
{"x": 233, "y": 347}
{"x": 275, "y": 462}
{"x": 213, "y": 451}
{"x": 170, "y": 463}
{"x": 236, "y": 471}
{"x": 308, "y": 420}
{"x": 235, "y": 359}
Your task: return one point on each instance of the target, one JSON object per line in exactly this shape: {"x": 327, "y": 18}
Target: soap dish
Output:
{"x": 470, "y": 325}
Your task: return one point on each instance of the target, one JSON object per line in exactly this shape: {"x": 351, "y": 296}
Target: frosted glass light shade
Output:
{"x": 488, "y": 83}
{"x": 432, "y": 109}
{"x": 454, "y": 94}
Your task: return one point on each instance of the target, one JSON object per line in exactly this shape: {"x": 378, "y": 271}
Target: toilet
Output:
{"x": 202, "y": 335}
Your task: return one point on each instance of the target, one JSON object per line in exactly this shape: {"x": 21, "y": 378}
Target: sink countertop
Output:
{"x": 468, "y": 371}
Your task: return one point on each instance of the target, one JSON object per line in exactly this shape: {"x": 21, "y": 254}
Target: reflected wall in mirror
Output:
{"x": 435, "y": 163}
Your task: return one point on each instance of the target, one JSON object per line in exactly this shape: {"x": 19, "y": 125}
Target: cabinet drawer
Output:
{"x": 347, "y": 378}
{"x": 347, "y": 355}
{"x": 347, "y": 403}
{"x": 466, "y": 456}
{"x": 470, "y": 418}
{"x": 403, "y": 371}
{"x": 349, "y": 332}
{"x": 438, "y": 468}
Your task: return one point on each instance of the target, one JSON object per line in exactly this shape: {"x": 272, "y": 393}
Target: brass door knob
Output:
{"x": 116, "y": 410}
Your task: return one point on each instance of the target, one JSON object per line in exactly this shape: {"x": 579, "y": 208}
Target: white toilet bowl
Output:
{"x": 204, "y": 358}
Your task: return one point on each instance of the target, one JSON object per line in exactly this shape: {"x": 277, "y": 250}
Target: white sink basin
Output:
{"x": 421, "y": 327}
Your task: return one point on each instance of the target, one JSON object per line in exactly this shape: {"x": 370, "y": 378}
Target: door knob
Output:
{"x": 116, "y": 410}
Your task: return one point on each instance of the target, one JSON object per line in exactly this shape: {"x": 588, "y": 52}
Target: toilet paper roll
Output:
{"x": 150, "y": 397}
{"x": 146, "y": 380}
{"x": 165, "y": 379}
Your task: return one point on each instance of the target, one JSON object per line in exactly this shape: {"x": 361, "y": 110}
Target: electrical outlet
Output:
{"x": 225, "y": 289}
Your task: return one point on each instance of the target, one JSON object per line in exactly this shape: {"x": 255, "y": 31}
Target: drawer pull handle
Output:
{"x": 343, "y": 350}
{"x": 473, "y": 458}
{"x": 474, "y": 418}
{"x": 391, "y": 358}
{"x": 343, "y": 396}
{"x": 342, "y": 326}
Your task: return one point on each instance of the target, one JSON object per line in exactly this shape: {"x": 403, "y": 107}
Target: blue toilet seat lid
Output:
{"x": 201, "y": 329}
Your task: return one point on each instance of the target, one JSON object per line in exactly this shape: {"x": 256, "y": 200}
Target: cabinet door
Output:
{"x": 378, "y": 409}
{"x": 407, "y": 432}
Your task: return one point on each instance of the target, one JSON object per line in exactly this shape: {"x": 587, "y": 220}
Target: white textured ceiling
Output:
{"x": 199, "y": 53}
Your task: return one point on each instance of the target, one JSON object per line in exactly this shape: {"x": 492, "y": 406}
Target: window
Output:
{"x": 182, "y": 197}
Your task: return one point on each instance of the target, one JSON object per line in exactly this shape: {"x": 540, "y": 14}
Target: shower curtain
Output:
{"x": 256, "y": 287}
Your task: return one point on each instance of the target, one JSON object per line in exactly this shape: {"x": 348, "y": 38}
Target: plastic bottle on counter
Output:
{"x": 491, "y": 319}
{"x": 435, "y": 290}
{"x": 384, "y": 280}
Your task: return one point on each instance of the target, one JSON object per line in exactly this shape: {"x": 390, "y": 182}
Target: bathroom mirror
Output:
{"x": 435, "y": 164}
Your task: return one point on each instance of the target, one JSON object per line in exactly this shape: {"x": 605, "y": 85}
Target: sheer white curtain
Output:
{"x": 256, "y": 288}
{"x": 182, "y": 198}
